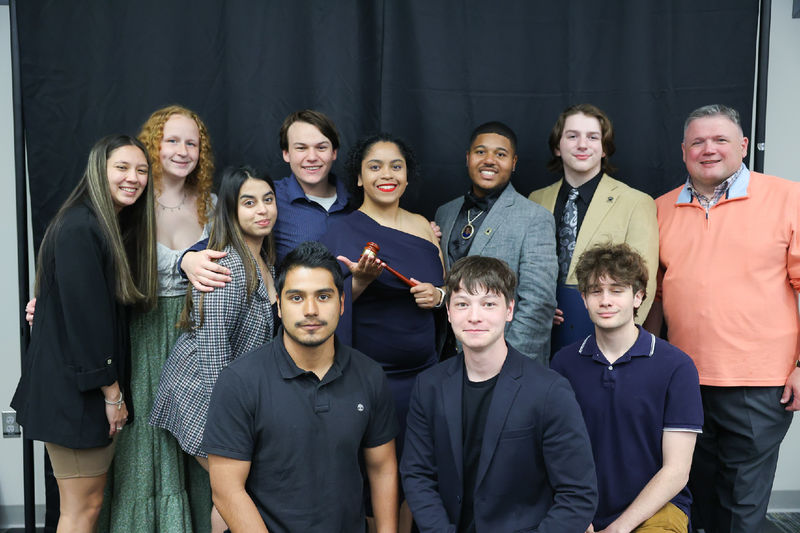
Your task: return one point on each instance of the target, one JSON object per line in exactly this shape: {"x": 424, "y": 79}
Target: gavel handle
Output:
{"x": 399, "y": 275}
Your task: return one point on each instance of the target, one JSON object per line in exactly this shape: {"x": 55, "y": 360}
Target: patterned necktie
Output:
{"x": 567, "y": 235}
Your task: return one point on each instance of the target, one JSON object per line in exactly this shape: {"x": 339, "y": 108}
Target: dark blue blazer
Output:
{"x": 535, "y": 471}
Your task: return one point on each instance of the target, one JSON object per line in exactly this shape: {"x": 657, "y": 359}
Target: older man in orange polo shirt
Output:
{"x": 728, "y": 276}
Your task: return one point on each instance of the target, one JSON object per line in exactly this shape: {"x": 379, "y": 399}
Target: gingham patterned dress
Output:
{"x": 232, "y": 326}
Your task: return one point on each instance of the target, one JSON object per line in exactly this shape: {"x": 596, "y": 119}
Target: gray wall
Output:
{"x": 11, "y": 500}
{"x": 783, "y": 121}
{"x": 780, "y": 159}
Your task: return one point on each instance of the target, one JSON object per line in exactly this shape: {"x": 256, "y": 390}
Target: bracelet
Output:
{"x": 118, "y": 403}
{"x": 441, "y": 302}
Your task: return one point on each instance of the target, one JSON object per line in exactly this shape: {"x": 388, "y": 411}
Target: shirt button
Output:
{"x": 610, "y": 367}
{"x": 108, "y": 361}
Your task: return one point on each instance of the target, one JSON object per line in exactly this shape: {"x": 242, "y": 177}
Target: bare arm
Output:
{"x": 792, "y": 391}
{"x": 202, "y": 270}
{"x": 677, "y": 448}
{"x": 228, "y": 477}
{"x": 426, "y": 295}
{"x": 381, "y": 464}
{"x": 116, "y": 415}
{"x": 364, "y": 271}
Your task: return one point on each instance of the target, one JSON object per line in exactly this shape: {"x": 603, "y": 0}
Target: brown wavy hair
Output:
{"x": 202, "y": 177}
{"x": 619, "y": 262}
{"x": 556, "y": 164}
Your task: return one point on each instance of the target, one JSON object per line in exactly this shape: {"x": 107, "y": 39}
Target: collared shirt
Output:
{"x": 303, "y": 435}
{"x": 627, "y": 406}
{"x": 719, "y": 191}
{"x": 585, "y": 195}
{"x": 301, "y": 219}
{"x": 458, "y": 246}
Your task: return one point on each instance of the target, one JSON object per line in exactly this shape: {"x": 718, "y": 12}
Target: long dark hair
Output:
{"x": 226, "y": 231}
{"x": 130, "y": 236}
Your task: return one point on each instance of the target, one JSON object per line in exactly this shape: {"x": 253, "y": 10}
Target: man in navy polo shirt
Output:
{"x": 640, "y": 398}
{"x": 288, "y": 422}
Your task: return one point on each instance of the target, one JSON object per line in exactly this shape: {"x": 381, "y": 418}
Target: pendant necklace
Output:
{"x": 469, "y": 229}
{"x": 173, "y": 208}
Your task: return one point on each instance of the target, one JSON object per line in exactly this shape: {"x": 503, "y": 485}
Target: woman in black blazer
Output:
{"x": 97, "y": 259}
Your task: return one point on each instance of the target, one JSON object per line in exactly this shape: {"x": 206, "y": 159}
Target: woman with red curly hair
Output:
{"x": 153, "y": 486}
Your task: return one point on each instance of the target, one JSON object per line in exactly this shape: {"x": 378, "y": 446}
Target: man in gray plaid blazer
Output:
{"x": 494, "y": 220}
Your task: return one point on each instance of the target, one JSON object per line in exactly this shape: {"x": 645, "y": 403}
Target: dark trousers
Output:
{"x": 736, "y": 456}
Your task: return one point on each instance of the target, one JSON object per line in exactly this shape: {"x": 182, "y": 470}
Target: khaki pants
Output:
{"x": 669, "y": 518}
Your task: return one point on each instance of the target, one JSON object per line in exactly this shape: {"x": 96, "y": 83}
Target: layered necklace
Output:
{"x": 468, "y": 230}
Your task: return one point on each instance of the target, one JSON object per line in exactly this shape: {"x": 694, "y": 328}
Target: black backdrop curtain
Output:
{"x": 427, "y": 70}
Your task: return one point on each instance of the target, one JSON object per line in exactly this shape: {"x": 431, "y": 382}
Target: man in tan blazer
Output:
{"x": 604, "y": 209}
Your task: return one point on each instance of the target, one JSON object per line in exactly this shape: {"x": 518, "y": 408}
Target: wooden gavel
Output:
{"x": 372, "y": 249}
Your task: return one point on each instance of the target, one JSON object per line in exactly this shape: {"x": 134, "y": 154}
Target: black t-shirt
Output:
{"x": 476, "y": 397}
{"x": 302, "y": 435}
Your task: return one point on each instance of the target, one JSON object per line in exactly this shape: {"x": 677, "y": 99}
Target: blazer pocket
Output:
{"x": 517, "y": 433}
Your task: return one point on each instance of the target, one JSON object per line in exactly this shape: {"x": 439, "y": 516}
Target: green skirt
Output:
{"x": 153, "y": 486}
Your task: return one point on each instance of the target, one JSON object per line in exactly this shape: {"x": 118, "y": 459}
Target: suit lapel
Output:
{"x": 605, "y": 196}
{"x": 452, "y": 400}
{"x": 494, "y": 219}
{"x": 448, "y": 222}
{"x": 505, "y": 390}
{"x": 550, "y": 194}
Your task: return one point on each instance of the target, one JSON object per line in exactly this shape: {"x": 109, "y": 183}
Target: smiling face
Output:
{"x": 309, "y": 306}
{"x": 713, "y": 150}
{"x": 581, "y": 148}
{"x": 310, "y": 155}
{"x": 383, "y": 174}
{"x": 610, "y": 304}
{"x": 127, "y": 172}
{"x": 180, "y": 147}
{"x": 257, "y": 211}
{"x": 479, "y": 319}
{"x": 490, "y": 162}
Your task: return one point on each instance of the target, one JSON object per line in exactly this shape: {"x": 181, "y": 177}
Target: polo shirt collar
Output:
{"x": 738, "y": 188}
{"x": 289, "y": 369}
{"x": 643, "y": 347}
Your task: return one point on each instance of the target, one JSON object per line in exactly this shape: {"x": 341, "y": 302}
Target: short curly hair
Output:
{"x": 202, "y": 177}
{"x": 619, "y": 262}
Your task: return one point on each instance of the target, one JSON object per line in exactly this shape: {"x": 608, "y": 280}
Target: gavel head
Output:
{"x": 371, "y": 248}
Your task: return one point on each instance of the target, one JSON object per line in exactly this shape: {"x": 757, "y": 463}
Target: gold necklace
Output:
{"x": 174, "y": 208}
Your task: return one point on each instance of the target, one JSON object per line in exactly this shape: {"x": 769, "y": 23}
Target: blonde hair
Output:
{"x": 202, "y": 177}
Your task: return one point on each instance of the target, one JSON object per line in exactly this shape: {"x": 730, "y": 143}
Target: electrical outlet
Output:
{"x": 10, "y": 427}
